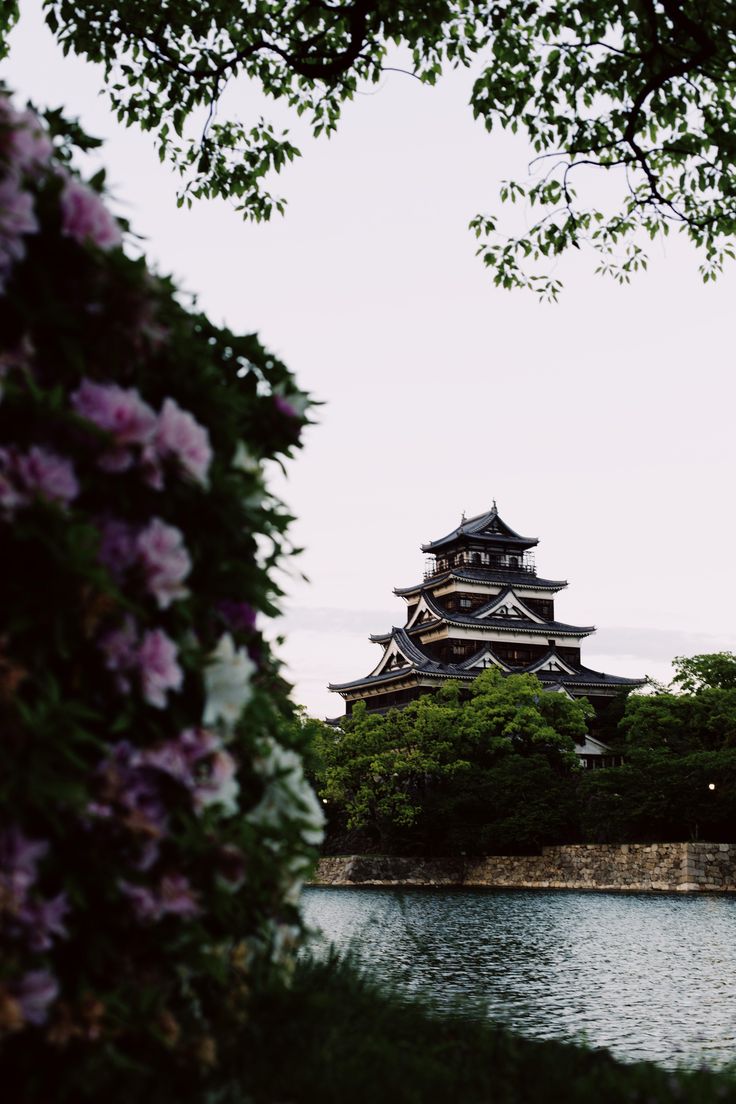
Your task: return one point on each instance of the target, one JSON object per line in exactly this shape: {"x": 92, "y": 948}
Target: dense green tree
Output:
{"x": 513, "y": 714}
{"x": 658, "y": 796}
{"x": 714, "y": 671}
{"x": 642, "y": 90}
{"x": 681, "y": 723}
{"x": 424, "y": 776}
{"x": 517, "y": 805}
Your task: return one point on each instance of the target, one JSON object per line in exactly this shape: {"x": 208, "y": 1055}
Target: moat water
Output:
{"x": 645, "y": 976}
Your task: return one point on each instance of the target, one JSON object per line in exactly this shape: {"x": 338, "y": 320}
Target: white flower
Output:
{"x": 288, "y": 796}
{"x": 227, "y": 680}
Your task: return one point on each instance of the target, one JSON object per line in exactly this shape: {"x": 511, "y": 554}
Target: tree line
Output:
{"x": 498, "y": 772}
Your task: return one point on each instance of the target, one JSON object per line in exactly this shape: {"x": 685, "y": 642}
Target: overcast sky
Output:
{"x": 604, "y": 424}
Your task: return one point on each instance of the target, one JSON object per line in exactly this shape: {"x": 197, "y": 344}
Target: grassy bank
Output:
{"x": 338, "y": 1037}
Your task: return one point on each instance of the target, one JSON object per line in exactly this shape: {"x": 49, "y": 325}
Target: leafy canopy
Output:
{"x": 642, "y": 90}
{"x": 714, "y": 671}
{"x": 382, "y": 769}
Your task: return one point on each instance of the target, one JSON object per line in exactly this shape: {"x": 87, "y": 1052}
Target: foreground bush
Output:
{"x": 154, "y": 822}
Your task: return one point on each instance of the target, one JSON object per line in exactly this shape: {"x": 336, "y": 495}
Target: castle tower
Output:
{"x": 481, "y": 603}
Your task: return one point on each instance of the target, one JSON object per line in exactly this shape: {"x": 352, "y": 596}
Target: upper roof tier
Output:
{"x": 493, "y": 575}
{"x": 486, "y": 529}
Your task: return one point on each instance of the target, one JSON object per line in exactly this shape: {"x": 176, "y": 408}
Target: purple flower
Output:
{"x": 177, "y": 896}
{"x": 165, "y": 561}
{"x": 197, "y": 761}
{"x": 117, "y": 547}
{"x": 44, "y": 919}
{"x": 48, "y": 475}
{"x": 238, "y": 616}
{"x": 85, "y": 218}
{"x": 131, "y": 792}
{"x": 173, "y": 896}
{"x": 120, "y": 648}
{"x": 180, "y": 436}
{"x": 144, "y": 901}
{"x": 178, "y": 758}
{"x": 159, "y": 670}
{"x": 119, "y": 411}
{"x": 35, "y": 991}
{"x": 17, "y": 220}
{"x": 284, "y": 407}
{"x": 19, "y": 858}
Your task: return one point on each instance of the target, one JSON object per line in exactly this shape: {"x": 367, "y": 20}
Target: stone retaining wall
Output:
{"x": 664, "y": 867}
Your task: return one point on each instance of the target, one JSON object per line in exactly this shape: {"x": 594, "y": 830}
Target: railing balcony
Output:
{"x": 508, "y": 563}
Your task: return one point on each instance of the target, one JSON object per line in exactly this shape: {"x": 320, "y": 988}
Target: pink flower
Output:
{"x": 85, "y": 218}
{"x": 17, "y": 220}
{"x": 119, "y": 411}
{"x": 27, "y": 145}
{"x": 165, "y": 561}
{"x": 159, "y": 670}
{"x": 180, "y": 436}
{"x": 48, "y": 475}
{"x": 35, "y": 991}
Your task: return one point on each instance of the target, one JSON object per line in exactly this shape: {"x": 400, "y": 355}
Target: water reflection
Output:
{"x": 645, "y": 976}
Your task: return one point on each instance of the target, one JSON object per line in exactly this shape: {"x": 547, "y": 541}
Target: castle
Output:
{"x": 481, "y": 604}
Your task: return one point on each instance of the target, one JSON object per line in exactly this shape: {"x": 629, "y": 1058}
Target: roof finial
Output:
{"x": 462, "y": 518}
{"x": 495, "y": 509}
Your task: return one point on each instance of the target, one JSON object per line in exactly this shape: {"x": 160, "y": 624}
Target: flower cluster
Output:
{"x": 153, "y": 810}
{"x": 37, "y": 473}
{"x": 136, "y": 432}
{"x": 25, "y": 154}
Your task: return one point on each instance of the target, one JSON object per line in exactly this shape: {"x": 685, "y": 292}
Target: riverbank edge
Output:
{"x": 692, "y": 867}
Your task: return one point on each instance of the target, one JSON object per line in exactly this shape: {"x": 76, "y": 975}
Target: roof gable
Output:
{"x": 482, "y": 659}
{"x": 422, "y": 612}
{"x": 508, "y": 604}
{"x": 554, "y": 663}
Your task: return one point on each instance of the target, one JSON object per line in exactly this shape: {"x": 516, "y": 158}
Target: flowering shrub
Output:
{"x": 155, "y": 823}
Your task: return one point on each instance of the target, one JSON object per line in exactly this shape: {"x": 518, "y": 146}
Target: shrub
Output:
{"x": 155, "y": 823}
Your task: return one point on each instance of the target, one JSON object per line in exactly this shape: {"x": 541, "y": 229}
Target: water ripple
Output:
{"x": 646, "y": 976}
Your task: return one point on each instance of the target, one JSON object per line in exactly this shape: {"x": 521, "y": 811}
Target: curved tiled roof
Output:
{"x": 485, "y": 575}
{"x": 485, "y": 527}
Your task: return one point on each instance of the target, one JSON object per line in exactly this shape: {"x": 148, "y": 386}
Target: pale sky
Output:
{"x": 604, "y": 424}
